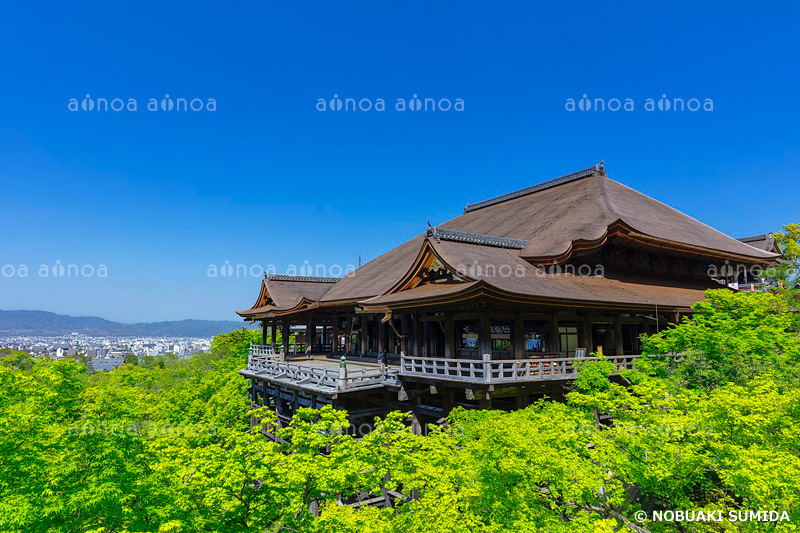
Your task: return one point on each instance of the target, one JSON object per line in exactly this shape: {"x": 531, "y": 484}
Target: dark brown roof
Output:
{"x": 542, "y": 224}
{"x": 553, "y": 219}
{"x": 281, "y": 292}
{"x": 377, "y": 276}
{"x": 503, "y": 273}
{"x": 765, "y": 242}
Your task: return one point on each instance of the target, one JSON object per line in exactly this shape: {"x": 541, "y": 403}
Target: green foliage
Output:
{"x": 169, "y": 448}
{"x": 788, "y": 241}
{"x": 731, "y": 338}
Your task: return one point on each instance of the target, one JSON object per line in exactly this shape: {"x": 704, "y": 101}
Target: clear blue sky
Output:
{"x": 267, "y": 179}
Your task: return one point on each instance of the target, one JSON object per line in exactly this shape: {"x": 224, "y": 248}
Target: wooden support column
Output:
{"x": 363, "y": 334}
{"x": 485, "y": 336}
{"x": 286, "y": 332}
{"x": 586, "y": 335}
{"x": 335, "y": 335}
{"x": 273, "y": 336}
{"x": 381, "y": 335}
{"x": 449, "y": 336}
{"x": 406, "y": 341}
{"x": 555, "y": 342}
{"x": 448, "y": 400}
{"x": 263, "y": 332}
{"x": 348, "y": 342}
{"x": 311, "y": 333}
{"x": 424, "y": 344}
{"x": 415, "y": 333}
{"x": 521, "y": 401}
{"x": 518, "y": 337}
{"x": 618, "y": 334}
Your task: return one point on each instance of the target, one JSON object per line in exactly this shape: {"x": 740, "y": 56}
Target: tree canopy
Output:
{"x": 168, "y": 448}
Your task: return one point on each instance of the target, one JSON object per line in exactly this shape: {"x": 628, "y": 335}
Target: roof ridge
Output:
{"x": 761, "y": 237}
{"x": 475, "y": 238}
{"x": 289, "y": 277}
{"x": 586, "y": 172}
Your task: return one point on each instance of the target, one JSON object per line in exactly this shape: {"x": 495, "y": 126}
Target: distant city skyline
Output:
{"x": 277, "y": 174}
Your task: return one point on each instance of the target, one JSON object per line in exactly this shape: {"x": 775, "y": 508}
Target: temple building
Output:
{"x": 492, "y": 308}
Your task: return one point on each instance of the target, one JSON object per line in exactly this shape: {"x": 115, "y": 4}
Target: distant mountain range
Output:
{"x": 45, "y": 323}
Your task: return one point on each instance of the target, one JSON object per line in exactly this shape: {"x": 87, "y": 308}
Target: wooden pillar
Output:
{"x": 518, "y": 337}
{"x": 618, "y": 334}
{"x": 449, "y": 336}
{"x": 586, "y": 335}
{"x": 555, "y": 341}
{"x": 448, "y": 400}
{"x": 363, "y": 334}
{"x": 286, "y": 332}
{"x": 406, "y": 341}
{"x": 335, "y": 335}
{"x": 348, "y": 342}
{"x": 521, "y": 401}
{"x": 417, "y": 348}
{"x": 484, "y": 336}
{"x": 311, "y": 333}
{"x": 381, "y": 335}
{"x": 424, "y": 343}
{"x": 263, "y": 332}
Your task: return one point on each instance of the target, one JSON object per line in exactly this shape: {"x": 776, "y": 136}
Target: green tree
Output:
{"x": 731, "y": 338}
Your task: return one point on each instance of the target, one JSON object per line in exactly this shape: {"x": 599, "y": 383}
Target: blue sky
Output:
{"x": 267, "y": 179}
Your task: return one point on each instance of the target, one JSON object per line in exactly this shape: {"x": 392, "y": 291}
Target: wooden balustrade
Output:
{"x": 502, "y": 371}
{"x": 263, "y": 360}
{"x": 314, "y": 376}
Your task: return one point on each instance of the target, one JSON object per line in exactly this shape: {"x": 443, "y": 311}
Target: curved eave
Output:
{"x": 624, "y": 231}
{"x": 482, "y": 290}
{"x": 275, "y": 312}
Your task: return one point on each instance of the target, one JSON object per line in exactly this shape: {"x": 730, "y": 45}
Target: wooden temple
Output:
{"x": 490, "y": 309}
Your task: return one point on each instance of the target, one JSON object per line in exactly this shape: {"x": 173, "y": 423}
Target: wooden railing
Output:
{"x": 261, "y": 355}
{"x": 342, "y": 378}
{"x": 502, "y": 371}
{"x": 263, "y": 360}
